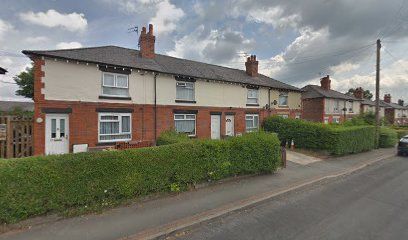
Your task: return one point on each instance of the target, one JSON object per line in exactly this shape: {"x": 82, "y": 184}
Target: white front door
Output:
{"x": 215, "y": 126}
{"x": 229, "y": 125}
{"x": 56, "y": 134}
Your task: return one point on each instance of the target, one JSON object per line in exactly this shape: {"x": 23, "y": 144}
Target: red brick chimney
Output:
{"x": 387, "y": 98}
{"x": 146, "y": 42}
{"x": 325, "y": 82}
{"x": 359, "y": 93}
{"x": 251, "y": 66}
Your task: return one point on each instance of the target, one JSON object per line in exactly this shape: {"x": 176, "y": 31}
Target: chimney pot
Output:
{"x": 146, "y": 43}
{"x": 387, "y": 98}
{"x": 325, "y": 82}
{"x": 251, "y": 66}
{"x": 400, "y": 102}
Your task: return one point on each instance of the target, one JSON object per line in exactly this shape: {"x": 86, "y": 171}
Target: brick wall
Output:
{"x": 313, "y": 109}
{"x": 83, "y": 120}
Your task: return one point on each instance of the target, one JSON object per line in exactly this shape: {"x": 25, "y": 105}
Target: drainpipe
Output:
{"x": 269, "y": 101}
{"x": 155, "y": 108}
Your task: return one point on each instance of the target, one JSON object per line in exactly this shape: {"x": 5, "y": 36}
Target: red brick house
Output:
{"x": 98, "y": 96}
{"x": 322, "y": 104}
{"x": 395, "y": 113}
{"x": 368, "y": 105}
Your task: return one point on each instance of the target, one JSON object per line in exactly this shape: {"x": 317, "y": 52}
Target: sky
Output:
{"x": 296, "y": 42}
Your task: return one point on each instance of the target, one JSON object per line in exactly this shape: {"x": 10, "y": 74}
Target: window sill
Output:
{"x": 185, "y": 101}
{"x": 114, "y": 97}
{"x": 252, "y": 104}
{"x": 283, "y": 106}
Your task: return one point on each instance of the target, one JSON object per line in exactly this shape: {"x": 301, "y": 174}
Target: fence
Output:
{"x": 16, "y": 136}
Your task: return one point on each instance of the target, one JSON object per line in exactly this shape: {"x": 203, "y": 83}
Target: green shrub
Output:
{"x": 39, "y": 185}
{"x": 171, "y": 137}
{"x": 336, "y": 139}
{"x": 388, "y": 137}
{"x": 401, "y": 131}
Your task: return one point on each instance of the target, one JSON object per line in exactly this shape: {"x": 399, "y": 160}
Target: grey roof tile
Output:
{"x": 315, "y": 91}
{"x": 125, "y": 57}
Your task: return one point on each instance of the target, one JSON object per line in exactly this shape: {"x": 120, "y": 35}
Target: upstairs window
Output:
{"x": 336, "y": 106}
{"x": 283, "y": 99}
{"x": 350, "y": 106}
{"x": 185, "y": 91}
{"x": 114, "y": 84}
{"x": 253, "y": 96}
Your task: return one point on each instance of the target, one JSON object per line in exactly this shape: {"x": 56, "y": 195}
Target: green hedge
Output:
{"x": 388, "y": 137}
{"x": 335, "y": 139}
{"x": 171, "y": 137}
{"x": 39, "y": 185}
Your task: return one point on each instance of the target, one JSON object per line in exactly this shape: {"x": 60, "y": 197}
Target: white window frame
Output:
{"x": 186, "y": 83}
{"x": 326, "y": 120}
{"x": 283, "y": 94}
{"x": 115, "y": 84}
{"x": 336, "y": 106}
{"x": 336, "y": 119}
{"x": 253, "y": 128}
{"x": 119, "y": 115}
{"x": 284, "y": 116}
{"x": 350, "y": 106}
{"x": 253, "y": 97}
{"x": 185, "y": 119}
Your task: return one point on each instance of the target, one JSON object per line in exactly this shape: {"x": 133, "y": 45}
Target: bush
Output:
{"x": 388, "y": 137}
{"x": 39, "y": 185}
{"x": 171, "y": 137}
{"x": 336, "y": 139}
{"x": 401, "y": 133}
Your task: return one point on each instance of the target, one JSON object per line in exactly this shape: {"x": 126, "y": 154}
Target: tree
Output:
{"x": 25, "y": 82}
{"x": 367, "y": 94}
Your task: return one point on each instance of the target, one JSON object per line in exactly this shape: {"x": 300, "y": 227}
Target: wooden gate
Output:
{"x": 16, "y": 136}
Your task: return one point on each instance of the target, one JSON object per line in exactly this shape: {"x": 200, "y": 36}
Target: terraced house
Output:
{"x": 322, "y": 104}
{"x": 395, "y": 113}
{"x": 90, "y": 97}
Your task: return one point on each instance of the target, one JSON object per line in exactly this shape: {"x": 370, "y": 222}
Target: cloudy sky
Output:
{"x": 295, "y": 41}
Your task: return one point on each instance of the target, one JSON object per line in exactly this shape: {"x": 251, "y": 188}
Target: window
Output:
{"x": 283, "y": 99}
{"x": 350, "y": 106}
{"x": 252, "y": 96}
{"x": 336, "y": 119}
{"x": 326, "y": 120}
{"x": 114, "y": 127}
{"x": 285, "y": 116}
{"x": 251, "y": 122}
{"x": 336, "y": 106}
{"x": 185, "y": 91}
{"x": 297, "y": 116}
{"x": 115, "y": 84}
{"x": 185, "y": 123}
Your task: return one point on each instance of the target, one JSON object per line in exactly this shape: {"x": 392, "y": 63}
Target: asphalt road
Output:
{"x": 369, "y": 204}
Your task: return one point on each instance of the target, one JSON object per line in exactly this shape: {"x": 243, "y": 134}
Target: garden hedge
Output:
{"x": 171, "y": 137}
{"x": 51, "y": 184}
{"x": 336, "y": 139}
{"x": 388, "y": 137}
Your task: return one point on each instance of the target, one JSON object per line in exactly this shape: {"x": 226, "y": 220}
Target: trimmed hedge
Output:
{"x": 171, "y": 137}
{"x": 388, "y": 137}
{"x": 336, "y": 139}
{"x": 39, "y": 185}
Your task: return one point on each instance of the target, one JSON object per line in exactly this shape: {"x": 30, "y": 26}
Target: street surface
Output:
{"x": 369, "y": 204}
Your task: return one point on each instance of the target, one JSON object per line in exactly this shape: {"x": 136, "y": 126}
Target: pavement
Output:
{"x": 370, "y": 204}
{"x": 146, "y": 220}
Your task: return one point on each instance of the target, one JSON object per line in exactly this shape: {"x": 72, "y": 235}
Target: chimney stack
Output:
{"x": 400, "y": 102}
{"x": 146, "y": 42}
{"x": 359, "y": 93}
{"x": 387, "y": 98}
{"x": 325, "y": 82}
{"x": 251, "y": 66}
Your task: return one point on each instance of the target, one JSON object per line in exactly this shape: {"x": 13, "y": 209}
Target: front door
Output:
{"x": 229, "y": 125}
{"x": 56, "y": 134}
{"x": 215, "y": 126}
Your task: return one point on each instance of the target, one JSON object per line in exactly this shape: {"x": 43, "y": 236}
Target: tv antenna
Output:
{"x": 134, "y": 29}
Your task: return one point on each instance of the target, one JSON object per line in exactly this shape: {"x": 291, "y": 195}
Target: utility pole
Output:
{"x": 377, "y": 94}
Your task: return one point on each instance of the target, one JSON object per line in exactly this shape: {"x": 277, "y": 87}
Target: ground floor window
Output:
{"x": 115, "y": 127}
{"x": 336, "y": 119}
{"x": 251, "y": 122}
{"x": 283, "y": 115}
{"x": 297, "y": 116}
{"x": 326, "y": 120}
{"x": 185, "y": 123}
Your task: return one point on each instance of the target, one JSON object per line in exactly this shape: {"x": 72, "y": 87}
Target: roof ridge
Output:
{"x": 69, "y": 49}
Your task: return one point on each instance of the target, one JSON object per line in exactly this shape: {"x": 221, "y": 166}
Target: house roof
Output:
{"x": 372, "y": 103}
{"x": 6, "y": 106}
{"x": 315, "y": 91}
{"x": 394, "y": 105}
{"x": 130, "y": 58}
{"x": 2, "y": 70}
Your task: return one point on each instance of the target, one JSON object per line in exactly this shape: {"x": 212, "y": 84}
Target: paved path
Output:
{"x": 369, "y": 204}
{"x": 300, "y": 158}
{"x": 127, "y": 221}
